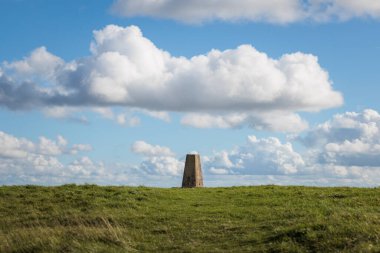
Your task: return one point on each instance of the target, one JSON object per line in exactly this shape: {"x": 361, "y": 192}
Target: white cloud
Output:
{"x": 274, "y": 121}
{"x": 77, "y": 148}
{"x": 349, "y": 139}
{"x": 71, "y": 114}
{"x": 146, "y": 149}
{"x": 50, "y": 147}
{"x": 40, "y": 65}
{"x": 24, "y": 161}
{"x": 162, "y": 165}
{"x": 218, "y": 171}
{"x": 342, "y": 151}
{"x": 203, "y": 120}
{"x": 12, "y": 147}
{"x": 225, "y": 88}
{"x": 324, "y": 10}
{"x": 239, "y": 79}
{"x": 162, "y": 115}
{"x": 125, "y": 118}
{"x": 266, "y": 156}
{"x": 272, "y": 11}
{"x": 157, "y": 159}
{"x": 85, "y": 167}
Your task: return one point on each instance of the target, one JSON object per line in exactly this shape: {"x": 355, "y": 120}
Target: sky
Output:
{"x": 117, "y": 92}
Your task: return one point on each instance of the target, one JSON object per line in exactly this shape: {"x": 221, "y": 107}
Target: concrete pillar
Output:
{"x": 192, "y": 174}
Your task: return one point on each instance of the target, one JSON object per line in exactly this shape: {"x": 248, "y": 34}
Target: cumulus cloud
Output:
{"x": 85, "y": 167}
{"x": 146, "y": 149}
{"x": 40, "y": 65}
{"x": 76, "y": 148}
{"x": 342, "y": 151}
{"x": 157, "y": 159}
{"x": 349, "y": 139}
{"x": 26, "y": 161}
{"x": 14, "y": 147}
{"x": 266, "y": 156}
{"x": 52, "y": 162}
{"x": 219, "y": 89}
{"x": 162, "y": 165}
{"x": 272, "y": 11}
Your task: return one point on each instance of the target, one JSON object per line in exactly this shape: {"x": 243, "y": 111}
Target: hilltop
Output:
{"x": 91, "y": 218}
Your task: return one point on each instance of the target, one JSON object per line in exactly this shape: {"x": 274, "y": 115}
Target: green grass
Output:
{"x": 90, "y": 218}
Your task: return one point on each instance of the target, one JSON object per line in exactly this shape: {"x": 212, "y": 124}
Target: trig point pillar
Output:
{"x": 192, "y": 174}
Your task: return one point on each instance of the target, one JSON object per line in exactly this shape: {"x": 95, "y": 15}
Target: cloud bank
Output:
{"x": 272, "y": 11}
{"x": 348, "y": 140}
{"x": 342, "y": 151}
{"x": 24, "y": 161}
{"x": 266, "y": 156}
{"x": 228, "y": 88}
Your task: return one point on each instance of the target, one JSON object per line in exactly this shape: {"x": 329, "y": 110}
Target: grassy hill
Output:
{"x": 90, "y": 218}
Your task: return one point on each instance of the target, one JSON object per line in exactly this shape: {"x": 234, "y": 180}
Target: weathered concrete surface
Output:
{"x": 192, "y": 174}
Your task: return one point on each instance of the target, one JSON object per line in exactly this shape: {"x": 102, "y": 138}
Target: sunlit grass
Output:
{"x": 90, "y": 218}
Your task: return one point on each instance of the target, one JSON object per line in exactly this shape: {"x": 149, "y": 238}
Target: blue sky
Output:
{"x": 296, "y": 104}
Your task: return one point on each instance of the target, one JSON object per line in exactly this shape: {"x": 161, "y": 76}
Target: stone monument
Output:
{"x": 192, "y": 174}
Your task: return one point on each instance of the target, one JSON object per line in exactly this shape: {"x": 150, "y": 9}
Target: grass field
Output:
{"x": 90, "y": 218}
